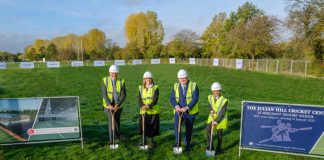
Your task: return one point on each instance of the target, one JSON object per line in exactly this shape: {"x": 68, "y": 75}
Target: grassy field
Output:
{"x": 319, "y": 146}
{"x": 85, "y": 82}
{"x": 5, "y": 137}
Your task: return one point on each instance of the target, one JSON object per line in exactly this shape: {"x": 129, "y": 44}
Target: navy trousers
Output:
{"x": 189, "y": 121}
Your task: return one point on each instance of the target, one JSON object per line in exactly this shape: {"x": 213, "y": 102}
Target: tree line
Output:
{"x": 246, "y": 32}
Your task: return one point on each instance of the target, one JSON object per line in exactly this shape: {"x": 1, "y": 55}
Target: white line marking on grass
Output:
{"x": 36, "y": 116}
{"x": 316, "y": 142}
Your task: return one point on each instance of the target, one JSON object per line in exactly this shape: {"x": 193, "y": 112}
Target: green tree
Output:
{"x": 244, "y": 33}
{"x": 253, "y": 38}
{"x": 41, "y": 53}
{"x": 51, "y": 52}
{"x": 8, "y": 57}
{"x": 185, "y": 44}
{"x": 111, "y": 49}
{"x": 247, "y": 12}
{"x": 210, "y": 37}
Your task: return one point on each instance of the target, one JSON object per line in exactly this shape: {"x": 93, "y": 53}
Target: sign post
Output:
{"x": 155, "y": 61}
{"x": 137, "y": 61}
{"x": 119, "y": 62}
{"x": 98, "y": 63}
{"x": 172, "y": 61}
{"x": 3, "y": 65}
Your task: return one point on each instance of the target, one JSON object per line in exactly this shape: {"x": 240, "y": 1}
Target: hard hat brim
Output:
{"x": 182, "y": 76}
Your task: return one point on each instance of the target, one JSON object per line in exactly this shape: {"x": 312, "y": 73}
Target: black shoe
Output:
{"x": 219, "y": 151}
{"x": 141, "y": 143}
{"x": 188, "y": 148}
{"x": 208, "y": 148}
{"x": 153, "y": 144}
{"x": 120, "y": 137}
{"x": 176, "y": 145}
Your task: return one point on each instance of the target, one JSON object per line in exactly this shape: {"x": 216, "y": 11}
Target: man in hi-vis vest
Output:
{"x": 114, "y": 93}
{"x": 218, "y": 115}
{"x": 184, "y": 98}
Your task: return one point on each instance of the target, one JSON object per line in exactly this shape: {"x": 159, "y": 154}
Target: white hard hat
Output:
{"x": 148, "y": 74}
{"x": 182, "y": 73}
{"x": 113, "y": 69}
{"x": 216, "y": 86}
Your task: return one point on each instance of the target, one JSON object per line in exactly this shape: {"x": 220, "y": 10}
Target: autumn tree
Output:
{"x": 145, "y": 32}
{"x": 88, "y": 46}
{"x": 306, "y": 19}
{"x": 30, "y": 53}
{"x": 94, "y": 43}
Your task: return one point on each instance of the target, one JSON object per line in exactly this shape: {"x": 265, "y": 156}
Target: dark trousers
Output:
{"x": 117, "y": 123}
{"x": 219, "y": 137}
{"x": 152, "y": 126}
{"x": 189, "y": 121}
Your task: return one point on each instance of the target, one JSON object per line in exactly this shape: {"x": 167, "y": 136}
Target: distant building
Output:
{"x": 51, "y": 117}
{"x": 15, "y": 119}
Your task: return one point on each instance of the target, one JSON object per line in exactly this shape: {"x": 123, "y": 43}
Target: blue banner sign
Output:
{"x": 281, "y": 127}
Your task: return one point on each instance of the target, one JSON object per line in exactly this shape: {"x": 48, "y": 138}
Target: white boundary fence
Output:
{"x": 277, "y": 66}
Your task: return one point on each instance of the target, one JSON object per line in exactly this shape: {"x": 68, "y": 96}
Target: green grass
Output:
{"x": 5, "y": 137}
{"x": 318, "y": 149}
{"x": 85, "y": 82}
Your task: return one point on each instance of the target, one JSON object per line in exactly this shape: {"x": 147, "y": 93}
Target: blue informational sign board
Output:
{"x": 286, "y": 128}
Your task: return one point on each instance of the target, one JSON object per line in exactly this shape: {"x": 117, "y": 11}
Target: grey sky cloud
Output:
{"x": 10, "y": 41}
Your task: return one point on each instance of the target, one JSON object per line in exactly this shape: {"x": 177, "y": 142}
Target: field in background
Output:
{"x": 85, "y": 82}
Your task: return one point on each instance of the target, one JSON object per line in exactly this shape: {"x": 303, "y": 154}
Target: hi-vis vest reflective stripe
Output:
{"x": 217, "y": 106}
{"x": 190, "y": 89}
{"x": 110, "y": 91}
{"x": 147, "y": 98}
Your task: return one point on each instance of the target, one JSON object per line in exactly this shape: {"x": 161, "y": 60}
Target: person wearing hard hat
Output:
{"x": 184, "y": 98}
{"x": 148, "y": 98}
{"x": 218, "y": 115}
{"x": 114, "y": 93}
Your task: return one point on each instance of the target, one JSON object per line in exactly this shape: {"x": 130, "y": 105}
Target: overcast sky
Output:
{"x": 23, "y": 21}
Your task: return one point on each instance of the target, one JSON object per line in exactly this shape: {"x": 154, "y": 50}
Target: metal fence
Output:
{"x": 276, "y": 66}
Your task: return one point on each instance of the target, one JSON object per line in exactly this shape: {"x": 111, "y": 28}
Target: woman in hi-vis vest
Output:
{"x": 149, "y": 110}
{"x": 217, "y": 117}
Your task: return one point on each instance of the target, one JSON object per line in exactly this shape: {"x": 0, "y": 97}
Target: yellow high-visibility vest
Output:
{"x": 217, "y": 106}
{"x": 110, "y": 91}
{"x": 147, "y": 98}
{"x": 191, "y": 88}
